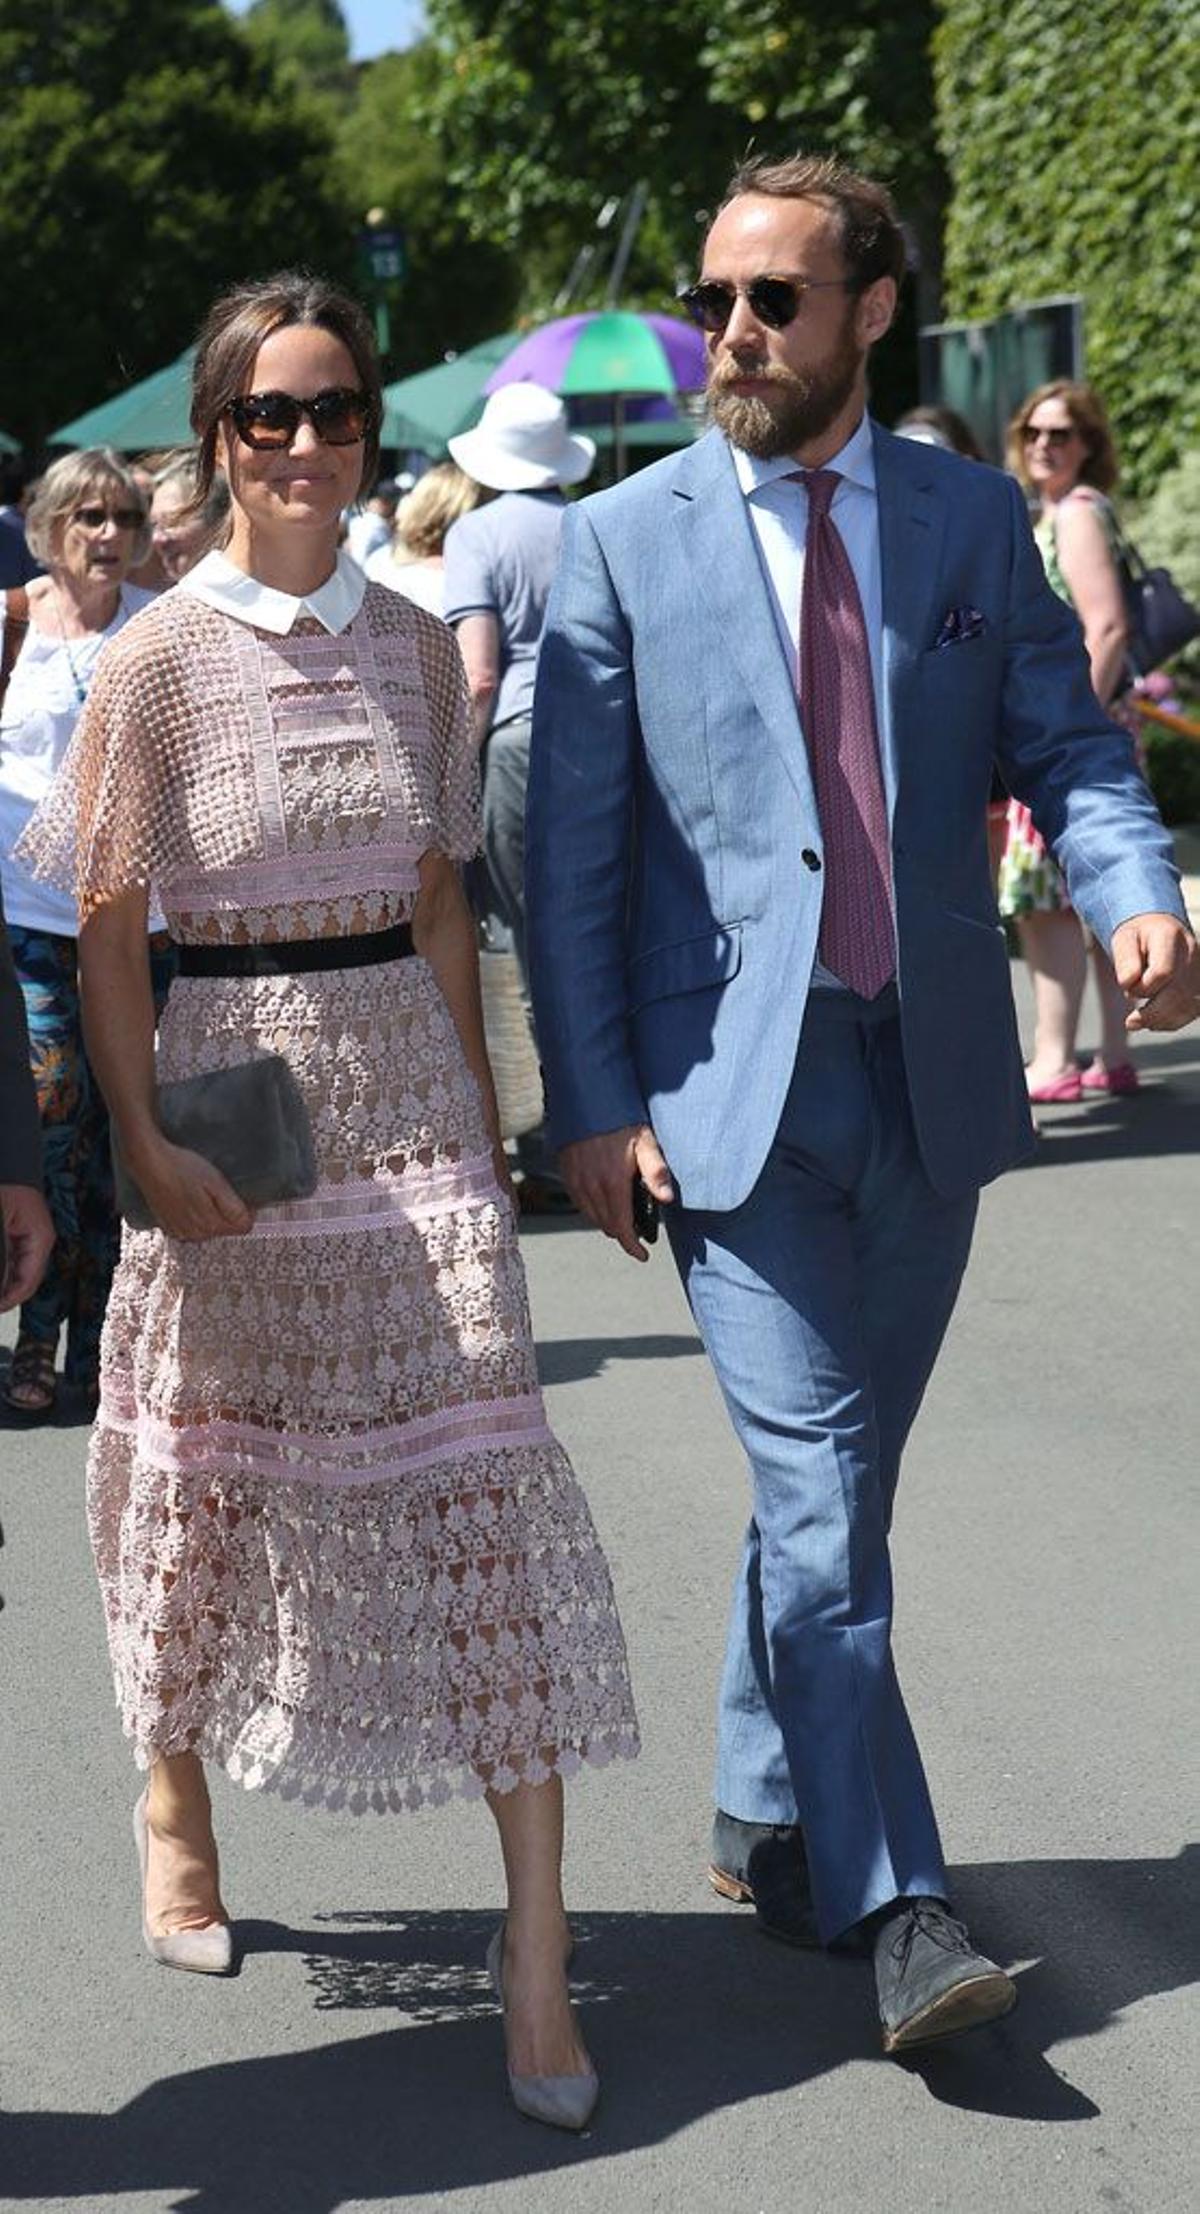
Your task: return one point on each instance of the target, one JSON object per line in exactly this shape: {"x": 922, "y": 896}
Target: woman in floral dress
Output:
{"x": 1061, "y": 448}
{"x": 339, "y": 1549}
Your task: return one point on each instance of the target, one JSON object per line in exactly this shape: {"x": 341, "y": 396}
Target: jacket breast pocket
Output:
{"x": 689, "y": 965}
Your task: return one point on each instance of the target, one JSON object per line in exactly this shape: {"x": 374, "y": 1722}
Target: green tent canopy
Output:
{"x": 153, "y": 413}
{"x": 425, "y": 410}
{"x": 421, "y": 411}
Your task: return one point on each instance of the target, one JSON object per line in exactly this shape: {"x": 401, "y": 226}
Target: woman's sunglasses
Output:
{"x": 95, "y": 518}
{"x": 1055, "y": 434}
{"x": 775, "y": 301}
{"x": 269, "y": 421}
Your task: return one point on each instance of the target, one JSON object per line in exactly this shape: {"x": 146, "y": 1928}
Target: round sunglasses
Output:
{"x": 269, "y": 421}
{"x": 775, "y": 301}
{"x": 1055, "y": 434}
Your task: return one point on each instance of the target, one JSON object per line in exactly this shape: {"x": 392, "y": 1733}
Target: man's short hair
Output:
{"x": 872, "y": 241}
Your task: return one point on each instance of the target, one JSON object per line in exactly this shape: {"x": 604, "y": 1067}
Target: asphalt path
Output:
{"x": 1045, "y": 1636}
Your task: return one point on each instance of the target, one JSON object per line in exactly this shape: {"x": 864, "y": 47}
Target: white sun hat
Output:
{"x": 521, "y": 443}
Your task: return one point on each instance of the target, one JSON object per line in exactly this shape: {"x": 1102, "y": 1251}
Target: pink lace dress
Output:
{"x": 339, "y": 1549}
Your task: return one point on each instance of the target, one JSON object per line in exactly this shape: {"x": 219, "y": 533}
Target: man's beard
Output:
{"x": 802, "y": 405}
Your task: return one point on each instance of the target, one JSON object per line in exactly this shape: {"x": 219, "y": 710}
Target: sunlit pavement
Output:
{"x": 1045, "y": 1637}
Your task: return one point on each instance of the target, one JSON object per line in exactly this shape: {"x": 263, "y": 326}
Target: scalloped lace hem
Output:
{"x": 296, "y": 1775}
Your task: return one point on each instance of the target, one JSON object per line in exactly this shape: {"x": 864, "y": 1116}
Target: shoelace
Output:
{"x": 926, "y": 1918}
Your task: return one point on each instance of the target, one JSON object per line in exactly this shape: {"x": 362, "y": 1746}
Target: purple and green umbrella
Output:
{"x": 615, "y": 355}
{"x": 610, "y": 352}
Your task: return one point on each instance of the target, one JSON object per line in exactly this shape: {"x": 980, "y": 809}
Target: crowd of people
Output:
{"x": 742, "y": 857}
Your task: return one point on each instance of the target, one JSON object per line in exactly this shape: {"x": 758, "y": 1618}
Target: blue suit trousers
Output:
{"x": 822, "y": 1301}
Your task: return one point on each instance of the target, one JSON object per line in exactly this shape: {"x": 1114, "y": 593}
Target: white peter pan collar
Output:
{"x": 220, "y": 584}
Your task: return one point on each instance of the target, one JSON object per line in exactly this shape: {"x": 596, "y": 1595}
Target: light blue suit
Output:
{"x": 827, "y": 1182}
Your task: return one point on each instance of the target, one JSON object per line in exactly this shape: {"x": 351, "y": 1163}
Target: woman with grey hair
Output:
{"x": 186, "y": 522}
{"x": 88, "y": 525}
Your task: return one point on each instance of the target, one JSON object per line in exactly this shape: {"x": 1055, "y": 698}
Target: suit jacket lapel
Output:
{"x": 912, "y": 523}
{"x": 722, "y": 555}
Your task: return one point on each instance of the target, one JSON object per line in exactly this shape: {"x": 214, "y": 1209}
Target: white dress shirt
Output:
{"x": 221, "y": 584}
{"x": 778, "y": 510}
{"x": 779, "y": 518}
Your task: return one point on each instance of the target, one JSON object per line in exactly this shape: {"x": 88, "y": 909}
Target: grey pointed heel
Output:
{"x": 563, "y": 2102}
{"x": 203, "y": 1952}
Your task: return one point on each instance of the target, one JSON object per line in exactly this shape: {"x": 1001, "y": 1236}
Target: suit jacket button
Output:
{"x": 810, "y": 859}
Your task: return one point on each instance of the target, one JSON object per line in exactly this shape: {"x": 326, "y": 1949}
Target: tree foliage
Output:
{"x": 546, "y": 109}
{"x": 306, "y": 44}
{"x": 1071, "y": 131}
{"x": 149, "y": 158}
{"x": 458, "y": 288}
{"x": 856, "y": 78}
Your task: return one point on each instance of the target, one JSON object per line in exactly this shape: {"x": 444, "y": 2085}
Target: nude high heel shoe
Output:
{"x": 564, "y": 2102}
{"x": 205, "y": 1952}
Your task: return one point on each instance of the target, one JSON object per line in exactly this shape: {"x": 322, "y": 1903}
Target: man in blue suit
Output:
{"x": 769, "y": 979}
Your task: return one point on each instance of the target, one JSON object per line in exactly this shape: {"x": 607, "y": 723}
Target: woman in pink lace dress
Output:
{"x": 340, "y": 1551}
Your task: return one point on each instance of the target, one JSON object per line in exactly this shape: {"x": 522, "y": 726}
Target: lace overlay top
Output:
{"x": 262, "y": 787}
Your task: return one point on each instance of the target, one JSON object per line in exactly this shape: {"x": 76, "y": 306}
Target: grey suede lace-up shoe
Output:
{"x": 763, "y": 1864}
{"x": 930, "y": 1979}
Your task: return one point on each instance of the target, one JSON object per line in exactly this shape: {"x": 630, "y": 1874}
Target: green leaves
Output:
{"x": 1071, "y": 132}
{"x": 150, "y": 158}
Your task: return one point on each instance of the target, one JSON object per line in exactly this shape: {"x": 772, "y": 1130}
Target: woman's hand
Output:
{"x": 188, "y": 1197}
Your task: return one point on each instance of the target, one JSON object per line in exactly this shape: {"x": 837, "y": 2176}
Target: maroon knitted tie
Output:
{"x": 837, "y": 703}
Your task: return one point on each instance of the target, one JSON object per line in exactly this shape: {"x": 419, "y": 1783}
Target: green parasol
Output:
{"x": 153, "y": 413}
{"x": 427, "y": 409}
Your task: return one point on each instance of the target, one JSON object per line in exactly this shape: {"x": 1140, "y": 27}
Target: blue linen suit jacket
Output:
{"x": 673, "y": 858}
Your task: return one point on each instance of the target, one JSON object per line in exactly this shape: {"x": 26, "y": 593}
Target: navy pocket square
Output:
{"x": 960, "y": 624}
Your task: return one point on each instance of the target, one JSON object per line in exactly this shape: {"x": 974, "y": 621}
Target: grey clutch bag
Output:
{"x": 250, "y": 1121}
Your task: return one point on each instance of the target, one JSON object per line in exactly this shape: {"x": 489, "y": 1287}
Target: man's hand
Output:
{"x": 29, "y": 1242}
{"x": 1158, "y": 968}
{"x": 599, "y": 1173}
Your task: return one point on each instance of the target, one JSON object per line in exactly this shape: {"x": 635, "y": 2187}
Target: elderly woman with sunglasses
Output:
{"x": 1061, "y": 447}
{"x": 340, "y": 1551}
{"x": 88, "y": 525}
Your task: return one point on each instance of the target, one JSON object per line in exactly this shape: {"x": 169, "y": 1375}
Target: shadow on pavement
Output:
{"x": 569, "y": 1360}
{"x": 686, "y": 2014}
{"x": 1163, "y": 1119}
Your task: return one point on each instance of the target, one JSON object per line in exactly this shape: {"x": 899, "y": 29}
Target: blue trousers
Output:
{"x": 822, "y": 1302}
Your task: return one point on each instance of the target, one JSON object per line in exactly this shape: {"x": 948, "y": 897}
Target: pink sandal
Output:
{"x": 1122, "y": 1081}
{"x": 1061, "y": 1091}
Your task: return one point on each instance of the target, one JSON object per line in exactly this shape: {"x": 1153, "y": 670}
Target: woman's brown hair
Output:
{"x": 1086, "y": 409}
{"x": 238, "y": 324}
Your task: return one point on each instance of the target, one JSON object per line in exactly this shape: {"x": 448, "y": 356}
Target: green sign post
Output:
{"x": 383, "y": 258}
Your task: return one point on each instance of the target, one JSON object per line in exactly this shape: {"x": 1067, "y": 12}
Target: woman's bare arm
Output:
{"x": 444, "y": 935}
{"x": 187, "y": 1195}
{"x": 479, "y": 644}
{"x": 1090, "y": 575}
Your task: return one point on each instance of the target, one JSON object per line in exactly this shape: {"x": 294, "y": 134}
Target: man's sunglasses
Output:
{"x": 95, "y": 518}
{"x": 1055, "y": 434}
{"x": 269, "y": 421}
{"x": 775, "y": 301}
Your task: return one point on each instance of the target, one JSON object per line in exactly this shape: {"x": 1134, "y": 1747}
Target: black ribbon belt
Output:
{"x": 299, "y": 956}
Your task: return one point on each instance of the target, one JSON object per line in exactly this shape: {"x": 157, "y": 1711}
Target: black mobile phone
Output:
{"x": 645, "y": 1211}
